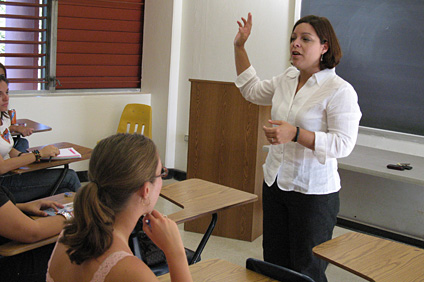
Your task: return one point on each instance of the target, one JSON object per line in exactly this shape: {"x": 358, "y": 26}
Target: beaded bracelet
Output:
{"x": 37, "y": 155}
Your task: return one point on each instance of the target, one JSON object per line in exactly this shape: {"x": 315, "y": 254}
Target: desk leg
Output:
{"x": 204, "y": 240}
{"x": 59, "y": 181}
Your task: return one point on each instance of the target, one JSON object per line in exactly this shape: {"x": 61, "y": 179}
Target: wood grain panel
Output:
{"x": 224, "y": 148}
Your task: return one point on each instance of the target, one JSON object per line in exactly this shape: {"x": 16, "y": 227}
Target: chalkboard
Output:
{"x": 383, "y": 57}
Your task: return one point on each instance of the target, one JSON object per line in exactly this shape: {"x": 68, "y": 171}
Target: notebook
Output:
{"x": 66, "y": 153}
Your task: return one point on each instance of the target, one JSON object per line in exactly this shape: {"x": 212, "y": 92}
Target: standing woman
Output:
{"x": 31, "y": 185}
{"x": 315, "y": 119}
{"x": 125, "y": 175}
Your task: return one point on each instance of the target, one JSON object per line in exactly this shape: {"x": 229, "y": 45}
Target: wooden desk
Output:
{"x": 13, "y": 248}
{"x": 38, "y": 127}
{"x": 220, "y": 270}
{"x": 199, "y": 197}
{"x": 84, "y": 151}
{"x": 373, "y": 258}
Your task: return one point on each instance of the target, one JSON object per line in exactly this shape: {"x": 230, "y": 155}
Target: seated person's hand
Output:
{"x": 49, "y": 151}
{"x": 25, "y": 131}
{"x": 163, "y": 232}
{"x": 37, "y": 207}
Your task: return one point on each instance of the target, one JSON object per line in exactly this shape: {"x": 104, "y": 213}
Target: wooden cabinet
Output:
{"x": 225, "y": 147}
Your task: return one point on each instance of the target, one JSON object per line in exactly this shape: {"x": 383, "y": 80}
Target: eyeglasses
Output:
{"x": 163, "y": 173}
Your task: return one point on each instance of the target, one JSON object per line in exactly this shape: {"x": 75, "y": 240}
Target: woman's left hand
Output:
{"x": 37, "y": 207}
{"x": 283, "y": 133}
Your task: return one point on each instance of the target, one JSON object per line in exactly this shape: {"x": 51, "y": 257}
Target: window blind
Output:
{"x": 23, "y": 43}
{"x": 99, "y": 44}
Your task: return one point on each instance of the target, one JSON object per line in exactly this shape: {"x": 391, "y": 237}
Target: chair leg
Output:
{"x": 59, "y": 181}
{"x": 204, "y": 240}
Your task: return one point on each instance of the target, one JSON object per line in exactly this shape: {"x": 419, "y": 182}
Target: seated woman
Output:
{"x": 15, "y": 225}
{"x": 32, "y": 185}
{"x": 125, "y": 173}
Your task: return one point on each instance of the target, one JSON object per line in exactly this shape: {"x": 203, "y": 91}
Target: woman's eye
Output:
{"x": 292, "y": 39}
{"x": 306, "y": 39}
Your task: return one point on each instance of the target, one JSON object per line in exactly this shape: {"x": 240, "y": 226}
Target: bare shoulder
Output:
{"x": 130, "y": 269}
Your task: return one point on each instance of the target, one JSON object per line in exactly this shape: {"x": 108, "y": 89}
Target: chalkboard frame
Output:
{"x": 381, "y": 42}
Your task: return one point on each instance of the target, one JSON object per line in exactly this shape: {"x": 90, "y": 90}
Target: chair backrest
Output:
{"x": 136, "y": 118}
{"x": 275, "y": 271}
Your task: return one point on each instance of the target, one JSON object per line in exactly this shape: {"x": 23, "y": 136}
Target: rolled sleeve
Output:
{"x": 321, "y": 147}
{"x": 245, "y": 76}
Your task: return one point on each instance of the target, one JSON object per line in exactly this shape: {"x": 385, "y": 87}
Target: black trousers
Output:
{"x": 293, "y": 224}
{"x": 28, "y": 266}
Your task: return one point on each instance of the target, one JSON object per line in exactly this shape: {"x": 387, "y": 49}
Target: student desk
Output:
{"x": 198, "y": 198}
{"x": 84, "y": 151}
{"x": 373, "y": 258}
{"x": 85, "y": 155}
{"x": 38, "y": 127}
{"x": 220, "y": 270}
{"x": 13, "y": 248}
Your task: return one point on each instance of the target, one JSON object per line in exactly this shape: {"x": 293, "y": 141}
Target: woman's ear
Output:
{"x": 324, "y": 47}
{"x": 144, "y": 190}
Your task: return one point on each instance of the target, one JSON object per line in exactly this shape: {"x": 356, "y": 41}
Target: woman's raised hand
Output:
{"x": 244, "y": 31}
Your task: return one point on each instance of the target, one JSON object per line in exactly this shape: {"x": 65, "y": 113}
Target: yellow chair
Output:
{"x": 136, "y": 118}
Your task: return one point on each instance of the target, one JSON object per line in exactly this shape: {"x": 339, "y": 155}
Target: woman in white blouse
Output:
{"x": 315, "y": 118}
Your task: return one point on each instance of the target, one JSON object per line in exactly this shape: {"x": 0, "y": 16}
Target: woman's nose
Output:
{"x": 296, "y": 43}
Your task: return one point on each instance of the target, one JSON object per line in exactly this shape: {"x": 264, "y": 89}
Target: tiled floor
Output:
{"x": 237, "y": 251}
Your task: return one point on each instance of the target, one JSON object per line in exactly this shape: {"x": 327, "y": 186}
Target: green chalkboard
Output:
{"x": 383, "y": 57}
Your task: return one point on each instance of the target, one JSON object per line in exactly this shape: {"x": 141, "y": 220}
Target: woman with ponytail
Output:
{"x": 125, "y": 175}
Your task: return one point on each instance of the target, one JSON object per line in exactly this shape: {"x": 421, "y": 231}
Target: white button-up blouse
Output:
{"x": 326, "y": 105}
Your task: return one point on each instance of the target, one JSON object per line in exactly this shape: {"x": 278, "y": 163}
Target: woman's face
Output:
{"x": 306, "y": 48}
{"x": 4, "y": 96}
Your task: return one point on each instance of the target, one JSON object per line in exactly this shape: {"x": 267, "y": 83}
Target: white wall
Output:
{"x": 79, "y": 119}
{"x": 156, "y": 64}
{"x": 208, "y": 31}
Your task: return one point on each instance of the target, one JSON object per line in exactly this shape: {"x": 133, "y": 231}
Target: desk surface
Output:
{"x": 198, "y": 197}
{"x": 220, "y": 270}
{"x": 373, "y": 258}
{"x": 13, "y": 248}
{"x": 374, "y": 161}
{"x": 84, "y": 151}
{"x": 38, "y": 127}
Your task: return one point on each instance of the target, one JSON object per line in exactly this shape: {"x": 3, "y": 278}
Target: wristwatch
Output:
{"x": 66, "y": 214}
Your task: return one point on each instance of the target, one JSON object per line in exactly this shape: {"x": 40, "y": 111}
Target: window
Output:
{"x": 23, "y": 44}
{"x": 80, "y": 44}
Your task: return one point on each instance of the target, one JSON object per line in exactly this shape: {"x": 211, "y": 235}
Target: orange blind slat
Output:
{"x": 99, "y": 44}
{"x": 99, "y": 60}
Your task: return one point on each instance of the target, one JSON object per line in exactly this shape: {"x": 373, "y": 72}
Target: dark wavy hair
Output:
{"x": 326, "y": 33}
{"x": 3, "y": 78}
{"x": 119, "y": 166}
{"x": 4, "y": 68}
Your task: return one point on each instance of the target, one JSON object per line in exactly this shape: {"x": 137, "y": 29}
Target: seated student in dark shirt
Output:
{"x": 16, "y": 225}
